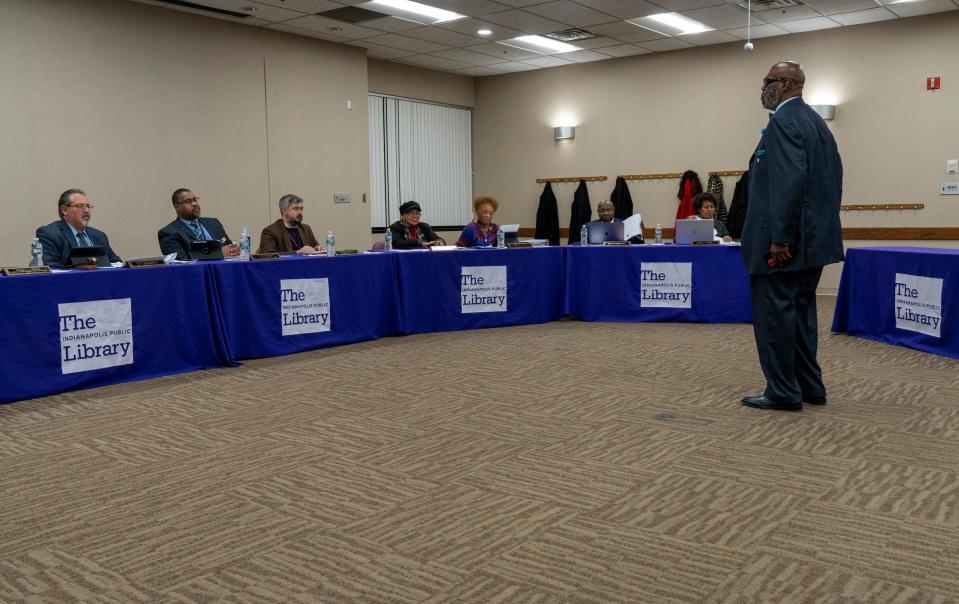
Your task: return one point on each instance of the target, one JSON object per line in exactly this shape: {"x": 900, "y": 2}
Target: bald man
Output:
{"x": 606, "y": 211}
{"x": 792, "y": 230}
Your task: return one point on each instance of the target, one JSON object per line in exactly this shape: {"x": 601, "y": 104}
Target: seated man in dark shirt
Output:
{"x": 189, "y": 227}
{"x": 72, "y": 230}
{"x": 409, "y": 233}
{"x": 289, "y": 233}
{"x": 606, "y": 211}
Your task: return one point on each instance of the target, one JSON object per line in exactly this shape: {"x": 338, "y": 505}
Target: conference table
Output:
{"x": 906, "y": 296}
{"x": 80, "y": 329}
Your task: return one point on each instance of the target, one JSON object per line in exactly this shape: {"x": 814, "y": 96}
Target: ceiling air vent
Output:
{"x": 761, "y": 5}
{"x": 571, "y": 35}
{"x": 210, "y": 9}
{"x": 351, "y": 14}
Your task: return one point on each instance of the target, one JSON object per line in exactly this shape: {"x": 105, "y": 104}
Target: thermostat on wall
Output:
{"x": 949, "y": 188}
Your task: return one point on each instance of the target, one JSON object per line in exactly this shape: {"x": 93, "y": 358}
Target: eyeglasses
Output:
{"x": 770, "y": 81}
{"x": 82, "y": 206}
{"x": 190, "y": 200}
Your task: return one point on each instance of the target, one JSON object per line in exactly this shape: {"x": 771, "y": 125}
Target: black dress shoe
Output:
{"x": 814, "y": 400}
{"x": 761, "y": 402}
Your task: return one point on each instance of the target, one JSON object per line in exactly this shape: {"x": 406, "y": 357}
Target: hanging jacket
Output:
{"x": 580, "y": 212}
{"x": 715, "y": 186}
{"x": 622, "y": 200}
{"x": 547, "y": 216}
{"x": 689, "y": 187}
{"x": 737, "y": 208}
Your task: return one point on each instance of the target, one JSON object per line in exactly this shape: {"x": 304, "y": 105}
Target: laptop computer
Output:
{"x": 82, "y": 255}
{"x": 605, "y": 231}
{"x": 693, "y": 230}
{"x": 206, "y": 250}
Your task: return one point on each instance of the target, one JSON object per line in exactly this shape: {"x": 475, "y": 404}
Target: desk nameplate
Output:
{"x": 12, "y": 271}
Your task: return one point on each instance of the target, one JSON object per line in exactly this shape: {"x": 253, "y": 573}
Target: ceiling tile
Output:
{"x": 471, "y": 26}
{"x": 433, "y": 62}
{"x": 623, "y": 50}
{"x": 709, "y": 37}
{"x": 319, "y": 35}
{"x": 512, "y": 66}
{"x": 723, "y": 16}
{"x": 802, "y": 25}
{"x": 477, "y": 72}
{"x": 309, "y": 7}
{"x": 570, "y": 13}
{"x": 911, "y": 9}
{"x": 468, "y": 56}
{"x": 599, "y": 42}
{"x": 504, "y": 52}
{"x": 391, "y": 24}
{"x": 616, "y": 29}
{"x": 404, "y": 43}
{"x": 525, "y": 22}
{"x": 640, "y": 34}
{"x": 758, "y": 31}
{"x": 263, "y": 12}
{"x": 443, "y": 36}
{"x": 584, "y": 56}
{"x": 380, "y": 52}
{"x": 471, "y": 8}
{"x": 331, "y": 26}
{"x": 778, "y": 15}
{"x": 547, "y": 61}
{"x": 203, "y": 13}
{"x": 666, "y": 44}
{"x": 624, "y": 9}
{"x": 519, "y": 3}
{"x": 831, "y": 7}
{"x": 864, "y": 16}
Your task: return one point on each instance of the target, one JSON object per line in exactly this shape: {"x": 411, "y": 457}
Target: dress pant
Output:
{"x": 785, "y": 325}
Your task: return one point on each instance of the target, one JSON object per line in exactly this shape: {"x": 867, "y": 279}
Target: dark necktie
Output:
{"x": 83, "y": 239}
{"x": 197, "y": 230}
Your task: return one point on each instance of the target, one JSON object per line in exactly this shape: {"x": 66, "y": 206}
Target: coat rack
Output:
{"x": 658, "y": 176}
{"x": 571, "y": 179}
{"x": 882, "y": 206}
{"x": 722, "y": 173}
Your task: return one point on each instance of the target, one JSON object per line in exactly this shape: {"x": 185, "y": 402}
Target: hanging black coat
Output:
{"x": 547, "y": 216}
{"x": 715, "y": 186}
{"x": 737, "y": 208}
{"x": 622, "y": 200}
{"x": 580, "y": 212}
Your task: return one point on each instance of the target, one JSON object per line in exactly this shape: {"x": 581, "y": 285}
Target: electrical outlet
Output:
{"x": 951, "y": 166}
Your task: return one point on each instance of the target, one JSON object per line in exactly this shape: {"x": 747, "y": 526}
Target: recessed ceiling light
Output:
{"x": 539, "y": 44}
{"x": 413, "y": 11}
{"x": 670, "y": 24}
{"x": 484, "y": 32}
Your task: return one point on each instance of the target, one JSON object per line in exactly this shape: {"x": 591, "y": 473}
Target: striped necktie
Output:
{"x": 83, "y": 240}
{"x": 197, "y": 230}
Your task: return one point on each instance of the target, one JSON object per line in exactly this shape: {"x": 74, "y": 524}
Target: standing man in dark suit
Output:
{"x": 792, "y": 230}
{"x": 72, "y": 230}
{"x": 189, "y": 227}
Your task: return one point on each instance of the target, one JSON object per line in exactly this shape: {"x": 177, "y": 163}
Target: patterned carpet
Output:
{"x": 568, "y": 462}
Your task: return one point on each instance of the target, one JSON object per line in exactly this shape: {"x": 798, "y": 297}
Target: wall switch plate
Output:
{"x": 949, "y": 188}
{"x": 951, "y": 166}
{"x": 341, "y": 198}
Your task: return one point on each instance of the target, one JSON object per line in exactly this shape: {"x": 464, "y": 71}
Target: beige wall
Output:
{"x": 130, "y": 101}
{"x": 423, "y": 84}
{"x": 699, "y": 109}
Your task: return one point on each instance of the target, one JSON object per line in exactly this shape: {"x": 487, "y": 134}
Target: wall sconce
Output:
{"x": 826, "y": 112}
{"x": 564, "y": 132}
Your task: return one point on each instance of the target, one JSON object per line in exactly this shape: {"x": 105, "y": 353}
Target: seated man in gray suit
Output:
{"x": 189, "y": 227}
{"x": 71, "y": 231}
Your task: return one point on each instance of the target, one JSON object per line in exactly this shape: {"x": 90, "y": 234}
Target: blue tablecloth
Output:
{"x": 74, "y": 330}
{"x": 640, "y": 283}
{"x": 906, "y": 296}
{"x": 276, "y": 307}
{"x": 471, "y": 289}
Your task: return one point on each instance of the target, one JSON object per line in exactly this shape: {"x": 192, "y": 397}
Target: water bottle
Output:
{"x": 36, "y": 253}
{"x": 500, "y": 239}
{"x": 245, "y": 244}
{"x": 389, "y": 241}
{"x": 330, "y": 243}
{"x": 584, "y": 235}
{"x": 659, "y": 233}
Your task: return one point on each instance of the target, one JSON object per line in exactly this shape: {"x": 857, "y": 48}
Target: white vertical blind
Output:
{"x": 420, "y": 151}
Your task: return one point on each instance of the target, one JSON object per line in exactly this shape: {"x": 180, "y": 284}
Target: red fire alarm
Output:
{"x": 932, "y": 83}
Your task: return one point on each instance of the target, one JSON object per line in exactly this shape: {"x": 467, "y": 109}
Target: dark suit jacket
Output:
{"x": 58, "y": 240}
{"x": 275, "y": 238}
{"x": 580, "y": 212}
{"x": 795, "y": 189}
{"x": 176, "y": 236}
{"x": 401, "y": 235}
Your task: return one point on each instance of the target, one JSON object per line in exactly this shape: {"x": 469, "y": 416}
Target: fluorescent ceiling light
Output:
{"x": 674, "y": 23}
{"x": 413, "y": 11}
{"x": 540, "y": 44}
{"x": 485, "y": 32}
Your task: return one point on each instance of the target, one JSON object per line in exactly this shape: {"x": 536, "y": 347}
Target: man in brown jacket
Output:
{"x": 289, "y": 234}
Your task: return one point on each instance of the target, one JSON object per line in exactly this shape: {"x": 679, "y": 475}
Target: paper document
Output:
{"x": 633, "y": 226}
{"x": 443, "y": 248}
